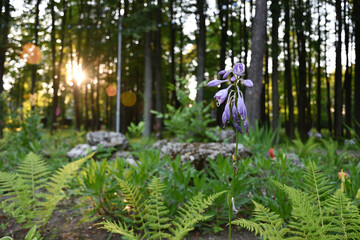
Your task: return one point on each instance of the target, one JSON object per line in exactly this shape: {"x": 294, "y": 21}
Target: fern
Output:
{"x": 155, "y": 222}
{"x": 267, "y": 224}
{"x": 345, "y": 220}
{"x": 192, "y": 213}
{"x": 316, "y": 214}
{"x": 27, "y": 201}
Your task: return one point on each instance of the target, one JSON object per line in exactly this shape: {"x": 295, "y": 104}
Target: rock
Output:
{"x": 124, "y": 154}
{"x": 198, "y": 153}
{"x": 81, "y": 150}
{"x": 227, "y": 135}
{"x": 107, "y": 139}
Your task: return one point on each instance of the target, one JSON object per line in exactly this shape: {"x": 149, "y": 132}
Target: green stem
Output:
{"x": 233, "y": 185}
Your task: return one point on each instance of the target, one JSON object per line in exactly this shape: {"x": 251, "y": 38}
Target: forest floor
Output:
{"x": 64, "y": 224}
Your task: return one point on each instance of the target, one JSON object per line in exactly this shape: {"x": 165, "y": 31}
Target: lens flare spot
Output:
{"x": 111, "y": 91}
{"x": 128, "y": 99}
{"x": 31, "y": 54}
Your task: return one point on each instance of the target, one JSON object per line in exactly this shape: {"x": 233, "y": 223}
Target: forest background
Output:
{"x": 60, "y": 57}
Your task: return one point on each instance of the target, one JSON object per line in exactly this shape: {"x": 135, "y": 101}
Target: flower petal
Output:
{"x": 222, "y": 72}
{"x": 215, "y": 83}
{"x": 226, "y": 74}
{"x": 237, "y": 127}
{"x": 221, "y": 95}
{"x": 239, "y": 69}
{"x": 226, "y": 114}
{"x": 233, "y": 78}
{"x": 248, "y": 83}
{"x": 235, "y": 113}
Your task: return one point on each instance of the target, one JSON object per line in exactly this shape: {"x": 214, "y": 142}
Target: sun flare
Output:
{"x": 74, "y": 72}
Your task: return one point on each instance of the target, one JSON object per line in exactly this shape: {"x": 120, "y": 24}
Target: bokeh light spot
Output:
{"x": 111, "y": 91}
{"x": 128, "y": 99}
{"x": 31, "y": 54}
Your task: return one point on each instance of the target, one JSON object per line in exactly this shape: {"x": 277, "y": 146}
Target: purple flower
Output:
{"x": 241, "y": 106}
{"x": 226, "y": 113}
{"x": 233, "y": 205}
{"x": 248, "y": 83}
{"x": 233, "y": 78}
{"x": 235, "y": 113}
{"x": 222, "y": 72}
{"x": 226, "y": 75}
{"x": 239, "y": 69}
{"x": 310, "y": 133}
{"x": 318, "y": 135}
{"x": 246, "y": 126}
{"x": 221, "y": 95}
{"x": 237, "y": 127}
{"x": 215, "y": 83}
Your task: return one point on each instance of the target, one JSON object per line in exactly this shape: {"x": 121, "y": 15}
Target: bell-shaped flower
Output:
{"x": 226, "y": 113}
{"x": 233, "y": 78}
{"x": 222, "y": 72}
{"x": 246, "y": 126}
{"x": 248, "y": 83}
{"x": 215, "y": 83}
{"x": 235, "y": 113}
{"x": 239, "y": 69}
{"x": 226, "y": 74}
{"x": 233, "y": 205}
{"x": 241, "y": 106}
{"x": 237, "y": 127}
{"x": 221, "y": 95}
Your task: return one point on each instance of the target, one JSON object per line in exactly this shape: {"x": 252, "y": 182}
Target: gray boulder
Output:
{"x": 80, "y": 150}
{"x": 107, "y": 139}
{"x": 198, "y": 153}
{"x": 124, "y": 154}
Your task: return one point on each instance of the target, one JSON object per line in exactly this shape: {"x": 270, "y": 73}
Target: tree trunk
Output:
{"x": 36, "y": 39}
{"x": 246, "y": 36}
{"x": 357, "y": 67}
{"x": 309, "y": 72}
{"x": 318, "y": 85}
{"x": 338, "y": 74}
{"x": 148, "y": 86}
{"x": 258, "y": 39}
{"x": 174, "y": 99}
{"x": 301, "y": 93}
{"x": 157, "y": 67}
{"x": 3, "y": 48}
{"x": 347, "y": 83}
{"x": 275, "y": 10}
{"x": 223, "y": 15}
{"x": 201, "y": 49}
{"x": 288, "y": 77}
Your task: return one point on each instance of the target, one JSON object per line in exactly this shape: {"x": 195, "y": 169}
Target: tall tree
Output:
{"x": 201, "y": 49}
{"x": 318, "y": 84}
{"x": 338, "y": 73}
{"x": 4, "y": 21}
{"x": 290, "y": 128}
{"x": 36, "y": 40}
{"x": 157, "y": 66}
{"x": 258, "y": 39}
{"x": 357, "y": 66}
{"x": 148, "y": 84}
{"x": 275, "y": 10}
{"x": 347, "y": 83}
{"x": 174, "y": 99}
{"x": 301, "y": 93}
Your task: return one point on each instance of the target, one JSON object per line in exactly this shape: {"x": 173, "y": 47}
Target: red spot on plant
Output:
{"x": 271, "y": 153}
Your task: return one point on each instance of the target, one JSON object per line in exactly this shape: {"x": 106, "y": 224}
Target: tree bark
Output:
{"x": 338, "y": 74}
{"x": 3, "y": 48}
{"x": 174, "y": 99}
{"x": 36, "y": 39}
{"x": 347, "y": 83}
{"x": 301, "y": 93}
{"x": 357, "y": 67}
{"x": 148, "y": 86}
{"x": 318, "y": 85}
{"x": 288, "y": 77}
{"x": 201, "y": 49}
{"x": 258, "y": 37}
{"x": 275, "y": 10}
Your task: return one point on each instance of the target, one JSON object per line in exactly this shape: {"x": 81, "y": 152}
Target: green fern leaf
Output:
{"x": 121, "y": 229}
{"x": 156, "y": 211}
{"x": 345, "y": 217}
{"x": 192, "y": 213}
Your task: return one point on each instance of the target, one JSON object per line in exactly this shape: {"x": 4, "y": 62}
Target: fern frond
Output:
{"x": 34, "y": 171}
{"x": 121, "y": 229}
{"x": 192, "y": 213}
{"x": 156, "y": 211}
{"x": 250, "y": 226}
{"x": 134, "y": 201}
{"x": 60, "y": 180}
{"x": 344, "y": 217}
{"x": 307, "y": 223}
{"x": 266, "y": 223}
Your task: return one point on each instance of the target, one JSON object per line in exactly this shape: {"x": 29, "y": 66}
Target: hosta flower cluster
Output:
{"x": 235, "y": 108}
